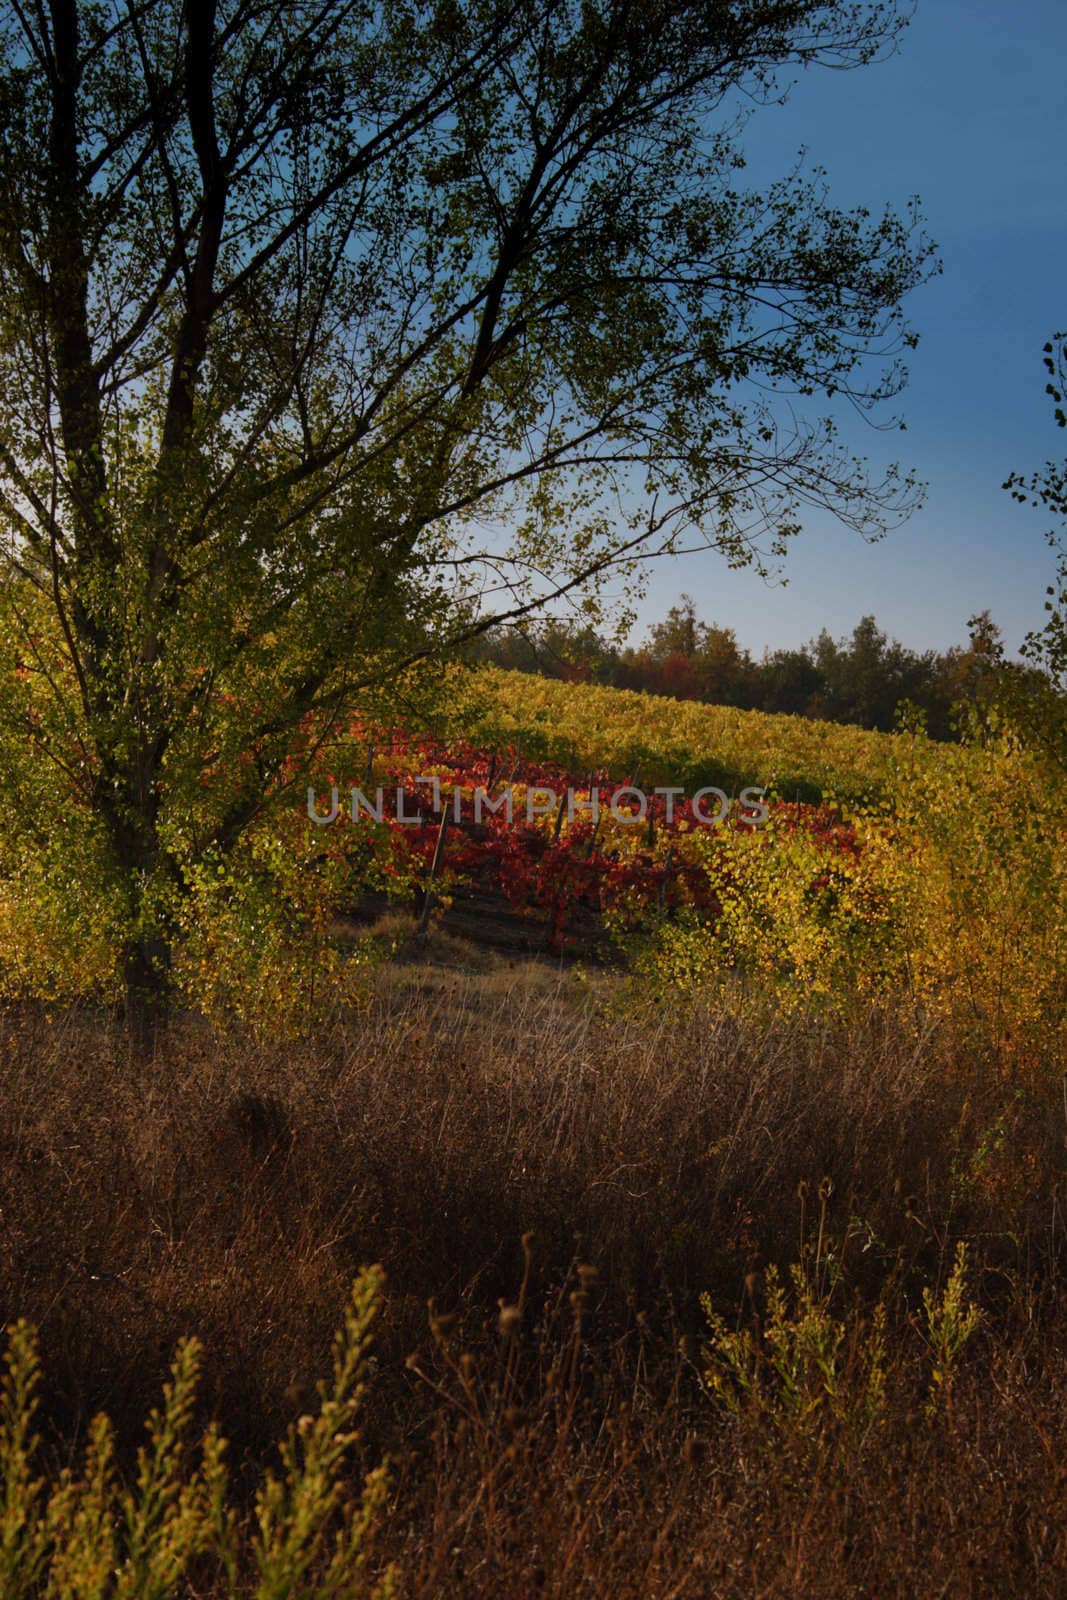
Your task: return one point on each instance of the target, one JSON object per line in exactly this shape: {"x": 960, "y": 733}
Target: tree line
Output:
{"x": 866, "y": 679}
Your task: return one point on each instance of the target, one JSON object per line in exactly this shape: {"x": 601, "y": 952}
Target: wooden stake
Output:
{"x": 559, "y": 818}
{"x": 435, "y": 867}
{"x": 666, "y": 873}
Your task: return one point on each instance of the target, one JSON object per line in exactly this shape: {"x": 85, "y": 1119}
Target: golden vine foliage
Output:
{"x": 679, "y": 741}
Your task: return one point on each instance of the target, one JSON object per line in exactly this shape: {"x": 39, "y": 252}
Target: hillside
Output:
{"x": 684, "y": 742}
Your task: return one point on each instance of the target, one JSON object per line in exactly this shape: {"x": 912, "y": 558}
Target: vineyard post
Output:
{"x": 666, "y": 873}
{"x": 435, "y": 867}
{"x": 596, "y": 820}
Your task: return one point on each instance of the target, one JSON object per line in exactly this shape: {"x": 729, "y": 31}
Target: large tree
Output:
{"x": 333, "y": 330}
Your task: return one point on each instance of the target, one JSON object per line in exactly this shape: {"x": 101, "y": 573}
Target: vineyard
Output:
{"x": 557, "y": 745}
{"x": 446, "y": 821}
{"x": 682, "y": 742}
{"x": 886, "y": 866}
{"x": 877, "y": 865}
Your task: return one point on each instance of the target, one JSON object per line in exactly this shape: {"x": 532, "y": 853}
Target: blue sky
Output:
{"x": 969, "y": 115}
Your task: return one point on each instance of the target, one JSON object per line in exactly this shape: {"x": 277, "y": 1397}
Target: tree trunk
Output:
{"x": 146, "y": 982}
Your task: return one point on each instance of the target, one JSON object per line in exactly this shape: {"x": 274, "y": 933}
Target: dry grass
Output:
{"x": 232, "y": 1191}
